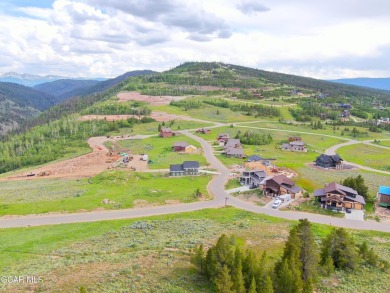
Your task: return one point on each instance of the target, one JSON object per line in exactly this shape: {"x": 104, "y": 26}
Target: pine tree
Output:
{"x": 252, "y": 287}
{"x": 267, "y": 287}
{"x": 342, "y": 249}
{"x": 223, "y": 281}
{"x": 198, "y": 259}
{"x": 238, "y": 279}
{"x": 309, "y": 251}
{"x": 249, "y": 268}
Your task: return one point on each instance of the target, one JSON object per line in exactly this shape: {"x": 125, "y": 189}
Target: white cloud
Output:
{"x": 96, "y": 37}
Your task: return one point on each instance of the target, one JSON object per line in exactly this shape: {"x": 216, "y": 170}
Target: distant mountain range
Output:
{"x": 376, "y": 83}
{"x": 32, "y": 80}
{"x": 19, "y": 102}
{"x": 66, "y": 88}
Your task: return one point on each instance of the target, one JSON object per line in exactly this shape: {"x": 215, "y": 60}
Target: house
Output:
{"x": 384, "y": 196}
{"x": 185, "y": 169}
{"x": 233, "y": 142}
{"x": 329, "y": 161}
{"x": 253, "y": 178}
{"x": 294, "y": 138}
{"x": 346, "y": 106}
{"x": 280, "y": 185}
{"x": 204, "y": 131}
{"x": 234, "y": 153}
{"x": 223, "y": 137}
{"x": 190, "y": 149}
{"x": 338, "y": 197}
{"x": 180, "y": 146}
{"x": 256, "y": 162}
{"x": 167, "y": 132}
{"x": 233, "y": 148}
{"x": 294, "y": 146}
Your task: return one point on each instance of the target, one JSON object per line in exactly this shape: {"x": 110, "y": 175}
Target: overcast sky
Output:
{"x": 105, "y": 38}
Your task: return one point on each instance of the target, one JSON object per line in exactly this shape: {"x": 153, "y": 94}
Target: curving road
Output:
{"x": 215, "y": 187}
{"x": 332, "y": 151}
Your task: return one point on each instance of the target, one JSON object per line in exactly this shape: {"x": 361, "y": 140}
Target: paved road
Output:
{"x": 332, "y": 151}
{"x": 215, "y": 187}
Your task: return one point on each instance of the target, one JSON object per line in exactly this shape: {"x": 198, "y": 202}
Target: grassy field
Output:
{"x": 210, "y": 113}
{"x": 160, "y": 150}
{"x": 304, "y": 127}
{"x": 367, "y": 155}
{"x": 385, "y": 143}
{"x": 122, "y": 189}
{"x": 152, "y": 128}
{"x": 152, "y": 254}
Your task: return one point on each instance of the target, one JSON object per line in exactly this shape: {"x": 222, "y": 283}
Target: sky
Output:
{"x": 324, "y": 39}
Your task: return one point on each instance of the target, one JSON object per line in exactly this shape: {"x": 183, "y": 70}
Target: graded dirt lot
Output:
{"x": 86, "y": 165}
{"x": 158, "y": 116}
{"x": 152, "y": 100}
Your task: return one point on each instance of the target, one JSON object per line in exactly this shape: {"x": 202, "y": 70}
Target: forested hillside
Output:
{"x": 61, "y": 88}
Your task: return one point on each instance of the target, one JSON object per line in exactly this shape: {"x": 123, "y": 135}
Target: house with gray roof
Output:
{"x": 253, "y": 178}
{"x": 294, "y": 146}
{"x": 188, "y": 168}
{"x": 338, "y": 197}
{"x": 329, "y": 161}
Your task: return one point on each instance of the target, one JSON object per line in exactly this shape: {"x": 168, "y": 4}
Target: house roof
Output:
{"x": 384, "y": 190}
{"x": 233, "y": 142}
{"x": 286, "y": 146}
{"x": 319, "y": 192}
{"x": 190, "y": 146}
{"x": 190, "y": 164}
{"x": 176, "y": 167}
{"x": 341, "y": 188}
{"x": 182, "y": 144}
{"x": 293, "y": 189}
{"x": 166, "y": 130}
{"x": 282, "y": 179}
{"x": 234, "y": 151}
{"x": 254, "y": 158}
{"x": 329, "y": 158}
{"x": 300, "y": 143}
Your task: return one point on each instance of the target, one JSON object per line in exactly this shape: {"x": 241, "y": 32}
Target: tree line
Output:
{"x": 232, "y": 267}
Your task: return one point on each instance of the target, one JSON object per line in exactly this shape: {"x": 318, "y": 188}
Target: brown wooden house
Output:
{"x": 280, "y": 185}
{"x": 338, "y": 197}
{"x": 167, "y": 132}
{"x": 180, "y": 146}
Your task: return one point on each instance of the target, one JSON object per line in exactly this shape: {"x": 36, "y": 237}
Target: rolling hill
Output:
{"x": 18, "y": 102}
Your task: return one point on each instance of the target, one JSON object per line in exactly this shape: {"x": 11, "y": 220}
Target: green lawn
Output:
{"x": 123, "y": 189}
{"x": 367, "y": 155}
{"x": 160, "y": 150}
{"x": 152, "y": 254}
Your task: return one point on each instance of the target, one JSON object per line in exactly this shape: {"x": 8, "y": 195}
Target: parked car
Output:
{"x": 276, "y": 203}
{"x": 348, "y": 211}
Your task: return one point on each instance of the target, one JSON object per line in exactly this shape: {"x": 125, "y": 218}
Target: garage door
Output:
{"x": 348, "y": 205}
{"x": 358, "y": 206}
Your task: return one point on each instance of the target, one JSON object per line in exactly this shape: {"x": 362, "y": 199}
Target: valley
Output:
{"x": 102, "y": 186}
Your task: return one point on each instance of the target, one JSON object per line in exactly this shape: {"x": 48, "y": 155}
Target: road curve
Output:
{"x": 332, "y": 151}
{"x": 215, "y": 187}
